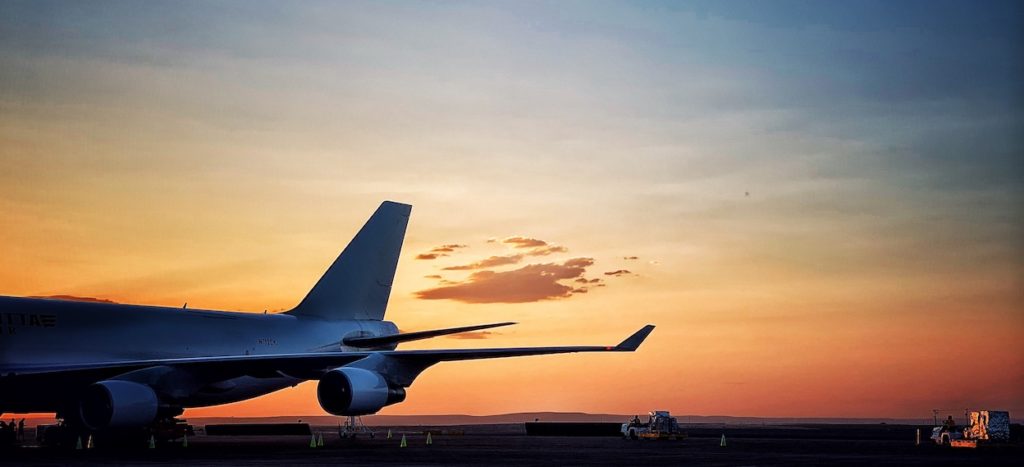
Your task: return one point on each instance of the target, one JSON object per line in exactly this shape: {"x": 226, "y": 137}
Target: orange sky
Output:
{"x": 814, "y": 235}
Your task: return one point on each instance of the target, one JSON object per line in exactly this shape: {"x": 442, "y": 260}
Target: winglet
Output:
{"x": 633, "y": 342}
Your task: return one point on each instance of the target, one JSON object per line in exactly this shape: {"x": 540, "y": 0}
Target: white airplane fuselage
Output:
{"x": 47, "y": 332}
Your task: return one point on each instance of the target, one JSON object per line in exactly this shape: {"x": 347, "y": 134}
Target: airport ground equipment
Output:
{"x": 660, "y": 425}
{"x": 982, "y": 426}
{"x": 354, "y": 426}
{"x": 166, "y": 431}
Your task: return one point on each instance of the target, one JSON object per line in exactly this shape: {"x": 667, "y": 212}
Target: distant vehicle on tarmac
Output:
{"x": 982, "y": 425}
{"x": 659, "y": 425}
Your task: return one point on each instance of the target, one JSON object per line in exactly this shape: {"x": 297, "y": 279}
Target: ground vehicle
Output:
{"x": 659, "y": 425}
{"x": 982, "y": 425}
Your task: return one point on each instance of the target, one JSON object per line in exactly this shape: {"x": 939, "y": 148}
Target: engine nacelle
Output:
{"x": 355, "y": 391}
{"x": 118, "y": 404}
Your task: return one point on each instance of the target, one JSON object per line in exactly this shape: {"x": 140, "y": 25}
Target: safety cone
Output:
{"x": 320, "y": 440}
{"x": 88, "y": 443}
{"x": 722, "y": 444}
{"x": 389, "y": 433}
{"x": 184, "y": 441}
{"x": 312, "y": 441}
{"x": 152, "y": 442}
{"x": 404, "y": 444}
{"x": 429, "y": 439}
{"x": 78, "y": 444}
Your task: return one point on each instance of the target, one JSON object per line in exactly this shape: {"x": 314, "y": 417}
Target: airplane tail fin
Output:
{"x": 358, "y": 283}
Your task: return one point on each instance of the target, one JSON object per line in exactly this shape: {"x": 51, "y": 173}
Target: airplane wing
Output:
{"x": 404, "y": 364}
{"x": 401, "y": 367}
{"x": 630, "y": 344}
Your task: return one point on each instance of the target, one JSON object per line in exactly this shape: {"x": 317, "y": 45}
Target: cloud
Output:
{"x": 524, "y": 242}
{"x": 474, "y": 335}
{"x": 547, "y": 250}
{"x": 630, "y": 258}
{"x": 584, "y": 280}
{"x": 448, "y": 248}
{"x": 531, "y": 283}
{"x": 433, "y": 276}
{"x": 580, "y": 262}
{"x": 618, "y": 272}
{"x": 439, "y": 251}
{"x": 491, "y": 262}
{"x": 75, "y": 298}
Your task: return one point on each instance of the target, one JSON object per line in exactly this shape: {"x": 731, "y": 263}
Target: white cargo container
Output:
{"x": 989, "y": 425}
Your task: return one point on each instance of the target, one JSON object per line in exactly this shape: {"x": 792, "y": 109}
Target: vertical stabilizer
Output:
{"x": 358, "y": 284}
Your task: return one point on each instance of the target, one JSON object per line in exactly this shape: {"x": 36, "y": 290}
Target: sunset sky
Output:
{"x": 819, "y": 204}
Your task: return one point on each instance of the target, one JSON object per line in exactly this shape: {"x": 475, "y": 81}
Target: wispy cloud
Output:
{"x": 547, "y": 250}
{"x": 524, "y": 242}
{"x": 448, "y": 248}
{"x": 618, "y": 272}
{"x": 442, "y": 250}
{"x": 537, "y": 246}
{"x": 491, "y": 262}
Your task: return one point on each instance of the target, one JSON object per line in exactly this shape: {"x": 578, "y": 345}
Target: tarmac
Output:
{"x": 789, "y": 445}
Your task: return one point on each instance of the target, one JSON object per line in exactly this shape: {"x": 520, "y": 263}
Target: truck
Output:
{"x": 659, "y": 425}
{"x": 982, "y": 425}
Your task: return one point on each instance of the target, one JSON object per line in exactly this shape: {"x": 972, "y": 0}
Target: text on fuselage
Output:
{"x": 10, "y": 322}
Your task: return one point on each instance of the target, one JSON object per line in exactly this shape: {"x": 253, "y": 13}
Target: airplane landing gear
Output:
{"x": 354, "y": 426}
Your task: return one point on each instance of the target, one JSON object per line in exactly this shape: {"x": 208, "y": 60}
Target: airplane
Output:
{"x": 107, "y": 366}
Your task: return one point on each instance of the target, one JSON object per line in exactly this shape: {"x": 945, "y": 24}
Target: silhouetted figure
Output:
{"x": 21, "y": 430}
{"x": 949, "y": 424}
{"x": 6, "y": 433}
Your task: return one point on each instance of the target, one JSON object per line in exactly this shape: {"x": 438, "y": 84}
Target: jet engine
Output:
{"x": 355, "y": 391}
{"x": 118, "y": 404}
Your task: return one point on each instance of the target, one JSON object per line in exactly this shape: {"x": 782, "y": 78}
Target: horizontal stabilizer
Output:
{"x": 380, "y": 341}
